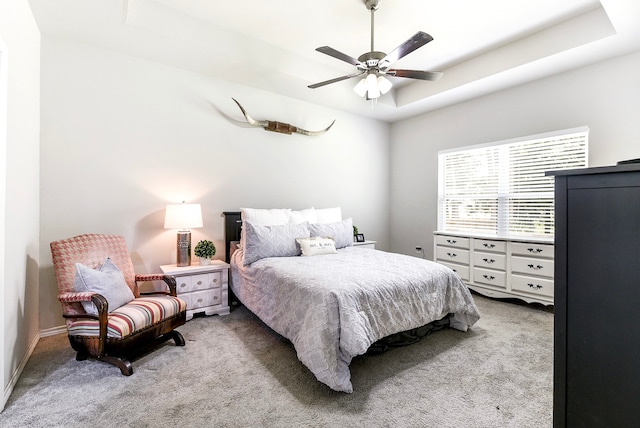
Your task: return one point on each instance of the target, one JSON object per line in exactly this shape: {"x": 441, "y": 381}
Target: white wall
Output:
{"x": 122, "y": 137}
{"x": 19, "y": 193}
{"x": 604, "y": 96}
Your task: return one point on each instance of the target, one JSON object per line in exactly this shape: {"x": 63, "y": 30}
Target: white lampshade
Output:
{"x": 361, "y": 88}
{"x": 183, "y": 216}
{"x": 384, "y": 85}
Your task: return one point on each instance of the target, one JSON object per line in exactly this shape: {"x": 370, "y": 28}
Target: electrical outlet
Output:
{"x": 418, "y": 249}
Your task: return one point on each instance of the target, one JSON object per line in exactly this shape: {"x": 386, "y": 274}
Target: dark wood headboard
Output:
{"x": 232, "y": 230}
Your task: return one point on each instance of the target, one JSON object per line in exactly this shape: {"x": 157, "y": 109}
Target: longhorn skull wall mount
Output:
{"x": 282, "y": 128}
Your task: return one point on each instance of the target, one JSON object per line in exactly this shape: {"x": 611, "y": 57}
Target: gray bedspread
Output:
{"x": 333, "y": 307}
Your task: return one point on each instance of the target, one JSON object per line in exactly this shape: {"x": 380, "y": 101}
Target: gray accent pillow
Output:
{"x": 106, "y": 280}
{"x": 341, "y": 232}
{"x": 272, "y": 241}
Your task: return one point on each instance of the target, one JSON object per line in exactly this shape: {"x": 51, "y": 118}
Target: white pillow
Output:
{"x": 301, "y": 216}
{"x": 316, "y": 246}
{"x": 328, "y": 215}
{"x": 106, "y": 280}
{"x": 262, "y": 217}
{"x": 272, "y": 241}
{"x": 341, "y": 232}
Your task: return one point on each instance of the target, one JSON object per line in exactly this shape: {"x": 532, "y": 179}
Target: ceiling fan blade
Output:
{"x": 416, "y": 41}
{"x": 337, "y": 79}
{"x": 415, "y": 74}
{"x": 339, "y": 55}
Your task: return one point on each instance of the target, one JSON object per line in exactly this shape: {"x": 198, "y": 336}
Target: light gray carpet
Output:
{"x": 235, "y": 372}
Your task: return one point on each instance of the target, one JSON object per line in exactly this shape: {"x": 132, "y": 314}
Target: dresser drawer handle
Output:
{"x": 489, "y": 277}
{"x": 215, "y": 280}
{"x": 535, "y": 250}
{"x": 451, "y": 241}
{"x": 488, "y": 261}
{"x": 535, "y": 267}
{"x": 452, "y": 255}
{"x": 199, "y": 282}
{"x": 184, "y": 284}
{"x": 199, "y": 300}
{"x": 489, "y": 245}
{"x": 215, "y": 298}
{"x": 536, "y": 286}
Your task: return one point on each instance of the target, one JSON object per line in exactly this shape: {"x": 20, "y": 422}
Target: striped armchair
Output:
{"x": 113, "y": 335}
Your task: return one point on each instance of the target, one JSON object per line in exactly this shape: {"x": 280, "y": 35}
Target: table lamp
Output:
{"x": 183, "y": 217}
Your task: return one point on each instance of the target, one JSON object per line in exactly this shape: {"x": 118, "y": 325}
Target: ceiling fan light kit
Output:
{"x": 374, "y": 65}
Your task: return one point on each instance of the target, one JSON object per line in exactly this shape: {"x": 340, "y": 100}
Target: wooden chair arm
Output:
{"x": 168, "y": 279}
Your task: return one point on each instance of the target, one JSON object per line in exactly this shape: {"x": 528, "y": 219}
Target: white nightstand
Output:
{"x": 366, "y": 244}
{"x": 204, "y": 288}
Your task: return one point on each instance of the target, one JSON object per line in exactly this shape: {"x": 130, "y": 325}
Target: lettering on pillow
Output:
{"x": 317, "y": 246}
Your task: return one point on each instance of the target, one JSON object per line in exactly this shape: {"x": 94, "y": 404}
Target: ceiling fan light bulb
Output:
{"x": 373, "y": 93}
{"x": 360, "y": 88}
{"x": 371, "y": 82}
{"x": 384, "y": 85}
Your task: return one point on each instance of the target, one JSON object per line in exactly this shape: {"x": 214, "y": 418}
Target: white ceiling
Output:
{"x": 270, "y": 45}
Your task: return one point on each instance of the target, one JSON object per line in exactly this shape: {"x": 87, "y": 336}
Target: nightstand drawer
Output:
{"x": 456, "y": 255}
{"x": 198, "y": 282}
{"x": 200, "y": 299}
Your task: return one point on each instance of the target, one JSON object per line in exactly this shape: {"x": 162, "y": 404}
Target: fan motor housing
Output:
{"x": 371, "y": 58}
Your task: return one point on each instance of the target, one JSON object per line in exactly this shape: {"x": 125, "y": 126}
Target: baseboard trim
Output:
{"x": 16, "y": 374}
{"x": 53, "y": 331}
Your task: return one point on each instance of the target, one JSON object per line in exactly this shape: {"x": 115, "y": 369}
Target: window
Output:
{"x": 500, "y": 188}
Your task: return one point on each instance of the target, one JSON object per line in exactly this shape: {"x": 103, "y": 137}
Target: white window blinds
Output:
{"x": 500, "y": 188}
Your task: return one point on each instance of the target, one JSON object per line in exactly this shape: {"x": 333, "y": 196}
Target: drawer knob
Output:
{"x": 535, "y": 267}
{"x": 536, "y": 286}
{"x": 199, "y": 300}
{"x": 451, "y": 241}
{"x": 452, "y": 255}
{"x": 184, "y": 284}
{"x": 489, "y": 261}
{"x": 215, "y": 280}
{"x": 215, "y": 298}
{"x": 489, "y": 277}
{"x": 199, "y": 282}
{"x": 535, "y": 250}
{"x": 488, "y": 245}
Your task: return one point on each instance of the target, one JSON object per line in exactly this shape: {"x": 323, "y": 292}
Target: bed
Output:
{"x": 304, "y": 279}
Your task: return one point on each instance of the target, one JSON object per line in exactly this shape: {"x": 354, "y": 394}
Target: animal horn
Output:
{"x": 314, "y": 133}
{"x": 282, "y": 128}
{"x": 250, "y": 120}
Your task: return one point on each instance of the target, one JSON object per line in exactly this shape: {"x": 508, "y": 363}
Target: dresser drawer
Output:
{"x": 532, "y": 249}
{"x": 461, "y": 270}
{"x": 200, "y": 299}
{"x": 489, "y": 245}
{"x": 532, "y": 266}
{"x": 533, "y": 285}
{"x": 452, "y": 241}
{"x": 450, "y": 254}
{"x": 490, "y": 260}
{"x": 490, "y": 277}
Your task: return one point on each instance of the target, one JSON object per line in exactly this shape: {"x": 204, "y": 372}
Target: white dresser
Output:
{"x": 500, "y": 267}
{"x": 204, "y": 288}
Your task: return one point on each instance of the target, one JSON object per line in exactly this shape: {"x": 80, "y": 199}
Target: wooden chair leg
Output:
{"x": 177, "y": 338}
{"x": 124, "y": 365}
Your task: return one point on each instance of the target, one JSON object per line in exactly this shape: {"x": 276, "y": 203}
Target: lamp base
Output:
{"x": 184, "y": 248}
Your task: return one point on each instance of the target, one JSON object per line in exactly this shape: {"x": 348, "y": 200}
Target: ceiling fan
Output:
{"x": 374, "y": 65}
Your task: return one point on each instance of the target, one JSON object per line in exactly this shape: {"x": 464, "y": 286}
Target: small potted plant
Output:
{"x": 204, "y": 251}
